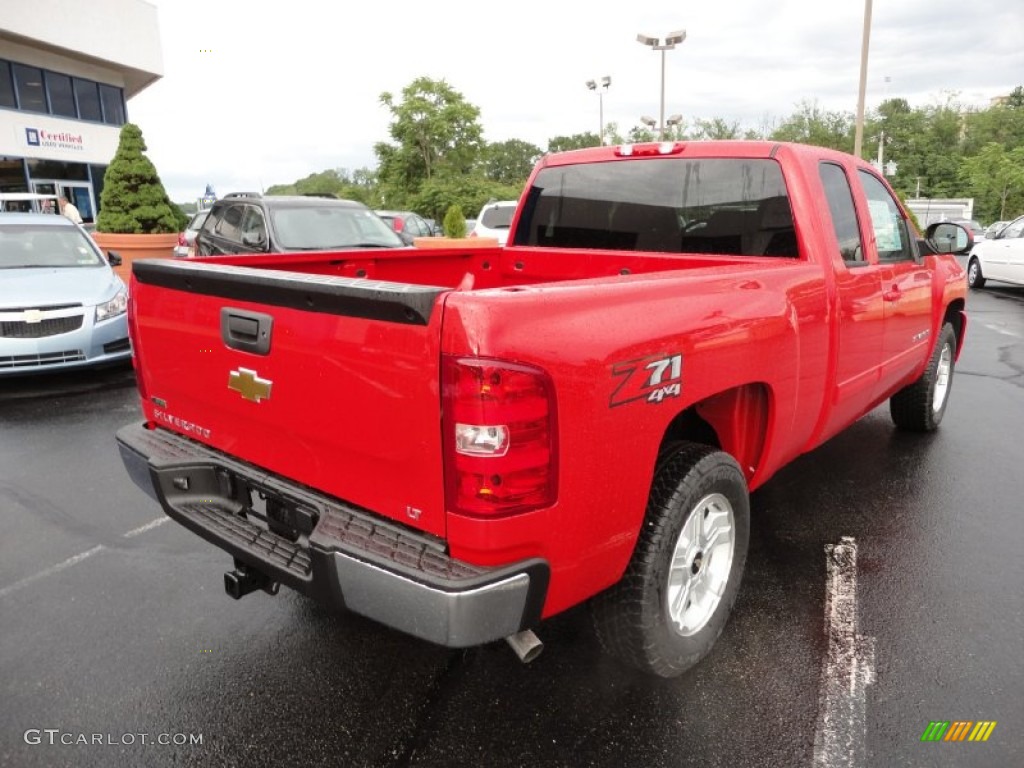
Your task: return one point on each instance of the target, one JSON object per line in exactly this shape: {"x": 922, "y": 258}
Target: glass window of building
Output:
{"x": 62, "y": 98}
{"x": 88, "y": 95}
{"x": 113, "y": 105}
{"x": 6, "y": 86}
{"x": 29, "y": 82}
{"x": 12, "y": 175}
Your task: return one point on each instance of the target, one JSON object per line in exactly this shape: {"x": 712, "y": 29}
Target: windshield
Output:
{"x": 499, "y": 217}
{"x": 37, "y": 245}
{"x": 308, "y": 228}
{"x": 197, "y": 220}
{"x": 717, "y": 206}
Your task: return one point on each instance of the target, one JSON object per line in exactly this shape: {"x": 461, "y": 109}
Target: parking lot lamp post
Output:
{"x": 674, "y": 121}
{"x": 600, "y": 88}
{"x": 671, "y": 41}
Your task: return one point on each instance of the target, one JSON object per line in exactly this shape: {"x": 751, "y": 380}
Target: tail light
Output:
{"x": 181, "y": 239}
{"x": 472, "y": 234}
{"x": 500, "y": 437}
{"x": 398, "y": 224}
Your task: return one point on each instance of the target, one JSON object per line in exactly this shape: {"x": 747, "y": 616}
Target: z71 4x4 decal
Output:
{"x": 652, "y": 379}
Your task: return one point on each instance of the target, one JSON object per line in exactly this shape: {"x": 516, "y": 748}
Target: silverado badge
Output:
{"x": 249, "y": 385}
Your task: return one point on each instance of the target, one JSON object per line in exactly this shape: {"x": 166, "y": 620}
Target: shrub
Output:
{"x": 134, "y": 200}
{"x": 454, "y": 223}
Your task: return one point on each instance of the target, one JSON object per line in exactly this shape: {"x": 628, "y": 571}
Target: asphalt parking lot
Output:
{"x": 115, "y": 629}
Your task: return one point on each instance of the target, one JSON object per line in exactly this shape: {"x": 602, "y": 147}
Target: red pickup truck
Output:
{"x": 461, "y": 442}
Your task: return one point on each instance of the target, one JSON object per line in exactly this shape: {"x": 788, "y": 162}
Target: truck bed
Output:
{"x": 480, "y": 268}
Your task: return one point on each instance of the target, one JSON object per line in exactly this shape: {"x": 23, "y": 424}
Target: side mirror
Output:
{"x": 114, "y": 258}
{"x": 947, "y": 237}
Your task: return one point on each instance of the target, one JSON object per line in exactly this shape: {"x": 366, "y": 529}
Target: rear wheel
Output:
{"x": 919, "y": 407}
{"x": 974, "y": 277}
{"x": 679, "y": 588}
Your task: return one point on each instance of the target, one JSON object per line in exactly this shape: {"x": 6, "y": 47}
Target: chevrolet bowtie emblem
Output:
{"x": 33, "y": 316}
{"x": 249, "y": 385}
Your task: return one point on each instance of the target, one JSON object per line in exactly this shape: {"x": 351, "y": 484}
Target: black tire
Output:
{"x": 974, "y": 277}
{"x": 919, "y": 407}
{"x": 633, "y": 618}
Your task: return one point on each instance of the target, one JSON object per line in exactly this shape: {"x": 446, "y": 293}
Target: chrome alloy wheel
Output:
{"x": 943, "y": 373}
{"x": 701, "y": 563}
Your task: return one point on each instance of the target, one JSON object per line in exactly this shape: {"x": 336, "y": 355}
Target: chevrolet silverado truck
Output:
{"x": 462, "y": 442}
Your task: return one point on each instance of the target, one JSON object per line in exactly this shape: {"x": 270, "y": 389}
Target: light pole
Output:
{"x": 671, "y": 122}
{"x": 858, "y": 131}
{"x": 600, "y": 88}
{"x": 671, "y": 41}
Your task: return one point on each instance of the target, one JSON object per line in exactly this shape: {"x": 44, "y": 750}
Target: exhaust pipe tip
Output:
{"x": 526, "y": 645}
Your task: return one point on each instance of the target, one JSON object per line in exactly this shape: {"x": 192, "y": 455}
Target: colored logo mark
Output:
{"x": 958, "y": 730}
{"x": 32, "y": 137}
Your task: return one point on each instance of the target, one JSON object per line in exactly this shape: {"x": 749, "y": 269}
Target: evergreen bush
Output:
{"x": 454, "y": 223}
{"x": 134, "y": 200}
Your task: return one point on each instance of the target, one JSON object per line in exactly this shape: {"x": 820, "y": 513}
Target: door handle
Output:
{"x": 246, "y": 331}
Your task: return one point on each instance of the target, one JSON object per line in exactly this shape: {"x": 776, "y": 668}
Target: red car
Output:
{"x": 463, "y": 442}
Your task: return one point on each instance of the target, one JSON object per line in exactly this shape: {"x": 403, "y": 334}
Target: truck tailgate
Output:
{"x": 332, "y": 382}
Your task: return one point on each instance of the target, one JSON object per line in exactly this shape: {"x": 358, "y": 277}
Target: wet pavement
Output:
{"x": 114, "y": 626}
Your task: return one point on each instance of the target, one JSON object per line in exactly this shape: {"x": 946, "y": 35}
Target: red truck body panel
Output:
{"x": 775, "y": 354}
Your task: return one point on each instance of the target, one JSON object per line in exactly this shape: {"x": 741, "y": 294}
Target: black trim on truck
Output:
{"x": 330, "y": 550}
{"x": 348, "y": 296}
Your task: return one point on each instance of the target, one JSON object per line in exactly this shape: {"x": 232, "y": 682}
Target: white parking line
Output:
{"x": 147, "y": 527}
{"x": 1003, "y": 331}
{"x": 51, "y": 570}
{"x": 839, "y": 741}
{"x": 74, "y": 560}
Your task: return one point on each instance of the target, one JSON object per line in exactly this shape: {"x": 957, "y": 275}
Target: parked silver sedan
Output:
{"x": 61, "y": 305}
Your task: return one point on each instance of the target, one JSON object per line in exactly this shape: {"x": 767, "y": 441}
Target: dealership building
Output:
{"x": 67, "y": 69}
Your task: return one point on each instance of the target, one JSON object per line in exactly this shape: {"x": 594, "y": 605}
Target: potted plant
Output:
{"x": 136, "y": 218}
{"x": 454, "y": 225}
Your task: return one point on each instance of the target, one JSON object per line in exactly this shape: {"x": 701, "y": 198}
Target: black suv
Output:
{"x": 248, "y": 222}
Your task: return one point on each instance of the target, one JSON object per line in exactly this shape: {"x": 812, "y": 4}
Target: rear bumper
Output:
{"x": 335, "y": 553}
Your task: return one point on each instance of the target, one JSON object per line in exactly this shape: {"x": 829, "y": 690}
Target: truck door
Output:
{"x": 906, "y": 285}
{"x": 859, "y": 335}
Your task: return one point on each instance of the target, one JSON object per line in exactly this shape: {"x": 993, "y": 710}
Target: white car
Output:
{"x": 999, "y": 258}
{"x": 494, "y": 220}
{"x": 185, "y": 248}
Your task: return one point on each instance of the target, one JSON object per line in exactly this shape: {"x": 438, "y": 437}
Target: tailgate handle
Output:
{"x": 247, "y": 331}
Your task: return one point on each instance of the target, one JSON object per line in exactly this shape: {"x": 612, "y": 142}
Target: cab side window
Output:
{"x": 890, "y": 228}
{"x": 844, "y": 214}
{"x": 254, "y": 229}
{"x": 229, "y": 226}
{"x": 1013, "y": 230}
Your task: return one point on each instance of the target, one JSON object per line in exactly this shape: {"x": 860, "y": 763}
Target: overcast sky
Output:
{"x": 256, "y": 94}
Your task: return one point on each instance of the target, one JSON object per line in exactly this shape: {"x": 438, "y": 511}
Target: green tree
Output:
{"x": 716, "y": 128}
{"x": 454, "y": 223}
{"x": 468, "y": 192}
{"x": 995, "y": 178}
{"x": 575, "y": 141}
{"x": 811, "y": 124}
{"x": 1002, "y": 123}
{"x": 640, "y": 134}
{"x": 510, "y": 162}
{"x": 360, "y": 185}
{"x": 435, "y": 132}
{"x": 134, "y": 200}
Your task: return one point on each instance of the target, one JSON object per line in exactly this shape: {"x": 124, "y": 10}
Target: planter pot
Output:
{"x": 132, "y": 247}
{"x": 455, "y": 242}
